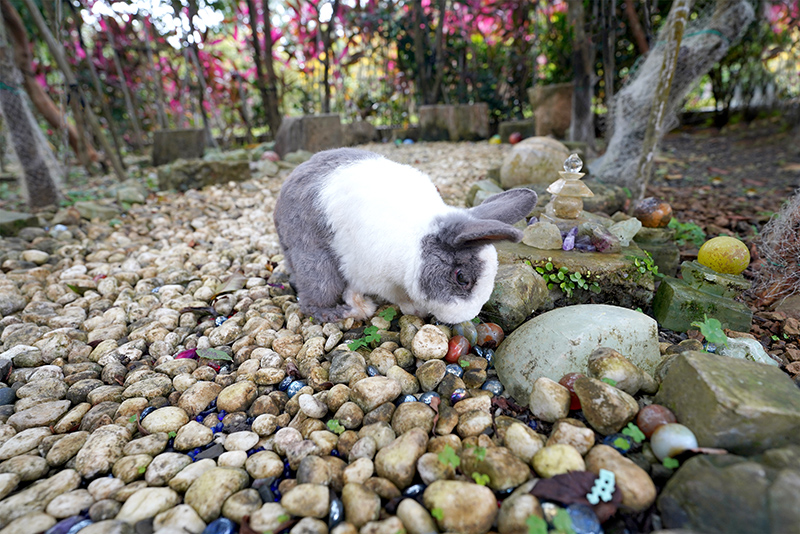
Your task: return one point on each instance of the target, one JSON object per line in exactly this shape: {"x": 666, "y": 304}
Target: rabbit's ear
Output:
{"x": 478, "y": 232}
{"x": 509, "y": 206}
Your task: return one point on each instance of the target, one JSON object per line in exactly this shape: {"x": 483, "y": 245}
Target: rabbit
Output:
{"x": 354, "y": 225}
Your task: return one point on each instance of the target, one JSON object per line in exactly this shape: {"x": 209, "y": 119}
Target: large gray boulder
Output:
{"x": 738, "y": 405}
{"x": 730, "y": 494}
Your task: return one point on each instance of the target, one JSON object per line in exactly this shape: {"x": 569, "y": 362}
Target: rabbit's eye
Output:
{"x": 462, "y": 279}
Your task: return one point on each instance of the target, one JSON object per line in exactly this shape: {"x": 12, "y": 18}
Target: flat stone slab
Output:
{"x": 560, "y": 341}
{"x": 677, "y": 305}
{"x": 12, "y": 222}
{"x": 744, "y": 407}
{"x": 169, "y": 145}
{"x": 619, "y": 280}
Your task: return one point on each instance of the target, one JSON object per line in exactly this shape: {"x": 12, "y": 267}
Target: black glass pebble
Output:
{"x": 335, "y": 513}
{"x": 213, "y": 452}
{"x": 63, "y": 526}
{"x": 80, "y": 525}
{"x": 414, "y": 490}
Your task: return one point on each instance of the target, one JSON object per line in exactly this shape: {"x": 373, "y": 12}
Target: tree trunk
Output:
{"x": 582, "y": 124}
{"x": 608, "y": 10}
{"x": 104, "y": 108}
{"x": 40, "y": 187}
{"x": 194, "y": 59}
{"x": 63, "y": 65}
{"x": 23, "y": 60}
{"x": 155, "y": 68}
{"x": 138, "y": 137}
{"x": 326, "y": 64}
{"x": 271, "y": 106}
{"x": 636, "y": 27}
{"x": 698, "y": 52}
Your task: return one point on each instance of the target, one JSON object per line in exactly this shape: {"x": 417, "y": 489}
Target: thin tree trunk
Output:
{"x": 23, "y": 60}
{"x": 608, "y": 10}
{"x": 58, "y": 55}
{"x": 326, "y": 64}
{"x": 104, "y": 108}
{"x": 582, "y": 124}
{"x": 419, "y": 33}
{"x": 258, "y": 54}
{"x": 76, "y": 103}
{"x": 158, "y": 82}
{"x": 271, "y": 106}
{"x": 201, "y": 95}
{"x": 138, "y": 137}
{"x": 636, "y": 27}
{"x": 39, "y": 183}
{"x": 679, "y": 14}
{"x": 244, "y": 110}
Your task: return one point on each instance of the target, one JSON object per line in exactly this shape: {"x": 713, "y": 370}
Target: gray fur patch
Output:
{"x": 509, "y": 206}
{"x": 305, "y": 234}
{"x": 449, "y": 272}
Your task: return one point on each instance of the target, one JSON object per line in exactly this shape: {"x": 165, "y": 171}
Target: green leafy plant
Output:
{"x": 536, "y": 525}
{"x": 448, "y": 456}
{"x": 622, "y": 443}
{"x": 634, "y": 432}
{"x": 142, "y": 469}
{"x": 213, "y": 354}
{"x": 481, "y": 479}
{"x": 712, "y": 330}
{"x": 565, "y": 280}
{"x": 388, "y": 314}
{"x": 463, "y": 363}
{"x": 370, "y": 334}
{"x": 687, "y": 232}
{"x": 132, "y": 418}
{"x": 480, "y": 453}
{"x": 172, "y": 434}
{"x": 609, "y": 381}
{"x": 646, "y": 265}
{"x": 438, "y": 513}
{"x": 335, "y": 426}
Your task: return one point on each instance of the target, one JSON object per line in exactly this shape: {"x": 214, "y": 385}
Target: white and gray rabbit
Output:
{"x": 354, "y": 225}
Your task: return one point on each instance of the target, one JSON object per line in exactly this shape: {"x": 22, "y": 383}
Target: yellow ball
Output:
{"x": 495, "y": 140}
{"x": 724, "y": 254}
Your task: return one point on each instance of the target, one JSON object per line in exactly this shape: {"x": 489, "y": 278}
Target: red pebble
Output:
{"x": 568, "y": 381}
{"x": 653, "y": 416}
{"x": 490, "y": 335}
{"x": 457, "y": 347}
{"x": 515, "y": 138}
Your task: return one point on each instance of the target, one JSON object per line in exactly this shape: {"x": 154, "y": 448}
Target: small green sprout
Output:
{"x": 463, "y": 363}
{"x": 609, "y": 381}
{"x": 172, "y": 434}
{"x": 142, "y": 469}
{"x": 622, "y": 443}
{"x": 536, "y": 525}
{"x": 132, "y": 418}
{"x": 670, "y": 463}
{"x": 438, "y": 513}
{"x": 370, "y": 334}
{"x": 687, "y": 232}
{"x": 634, "y": 432}
{"x": 283, "y": 518}
{"x": 712, "y": 330}
{"x": 389, "y": 314}
{"x": 448, "y": 456}
{"x": 562, "y": 522}
{"x": 481, "y": 479}
{"x": 335, "y": 426}
{"x": 480, "y": 453}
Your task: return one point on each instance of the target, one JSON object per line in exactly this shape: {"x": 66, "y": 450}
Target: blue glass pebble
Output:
{"x": 428, "y": 396}
{"x": 294, "y": 387}
{"x": 454, "y": 369}
{"x": 285, "y": 383}
{"x": 219, "y": 320}
{"x": 218, "y": 427}
{"x": 458, "y": 395}
{"x": 199, "y": 418}
{"x": 408, "y": 141}
{"x": 489, "y": 355}
{"x": 59, "y": 228}
{"x": 80, "y": 525}
{"x": 221, "y": 525}
{"x": 63, "y": 526}
{"x": 335, "y": 453}
{"x": 373, "y": 371}
{"x": 335, "y": 513}
{"x": 620, "y": 442}
{"x": 154, "y": 290}
{"x": 494, "y": 386}
{"x": 584, "y": 520}
{"x": 710, "y": 347}
{"x": 405, "y": 398}
{"x": 533, "y": 424}
{"x": 222, "y": 414}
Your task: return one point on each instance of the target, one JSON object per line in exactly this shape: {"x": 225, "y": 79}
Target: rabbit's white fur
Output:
{"x": 377, "y": 259}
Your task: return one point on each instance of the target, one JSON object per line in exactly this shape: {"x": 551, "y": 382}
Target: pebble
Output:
{"x": 549, "y": 400}
{"x": 208, "y": 491}
{"x": 638, "y": 490}
{"x": 464, "y": 507}
{"x": 429, "y": 343}
{"x": 147, "y": 503}
{"x": 557, "y": 459}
